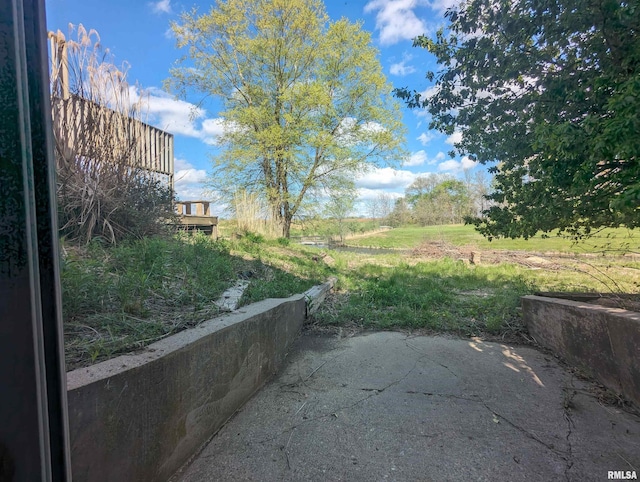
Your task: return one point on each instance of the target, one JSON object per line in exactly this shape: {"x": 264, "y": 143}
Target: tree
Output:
{"x": 385, "y": 204}
{"x": 481, "y": 188}
{"x": 401, "y": 214}
{"x": 372, "y": 208}
{"x": 306, "y": 103}
{"x": 439, "y": 199}
{"x": 338, "y": 208}
{"x": 422, "y": 186}
{"x": 550, "y": 90}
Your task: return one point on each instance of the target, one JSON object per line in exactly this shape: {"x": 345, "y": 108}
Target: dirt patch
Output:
{"x": 473, "y": 255}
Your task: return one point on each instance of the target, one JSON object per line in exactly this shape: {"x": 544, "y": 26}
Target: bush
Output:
{"x": 112, "y": 210}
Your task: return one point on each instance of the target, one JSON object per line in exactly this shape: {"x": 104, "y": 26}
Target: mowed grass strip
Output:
{"x": 607, "y": 240}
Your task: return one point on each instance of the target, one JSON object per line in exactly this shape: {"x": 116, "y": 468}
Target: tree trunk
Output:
{"x": 286, "y": 229}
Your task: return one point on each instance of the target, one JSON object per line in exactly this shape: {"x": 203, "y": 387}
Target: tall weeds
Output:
{"x": 103, "y": 188}
{"x": 253, "y": 215}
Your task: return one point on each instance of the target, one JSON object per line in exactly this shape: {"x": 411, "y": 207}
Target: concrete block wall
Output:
{"x": 604, "y": 342}
{"x": 141, "y": 417}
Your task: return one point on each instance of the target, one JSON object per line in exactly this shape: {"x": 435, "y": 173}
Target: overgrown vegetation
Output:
{"x": 439, "y": 295}
{"x": 103, "y": 190}
{"x": 253, "y": 216}
{"x": 440, "y": 286}
{"x": 120, "y": 298}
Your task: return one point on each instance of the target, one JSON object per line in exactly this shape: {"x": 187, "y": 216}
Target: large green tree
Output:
{"x": 549, "y": 90}
{"x": 306, "y": 106}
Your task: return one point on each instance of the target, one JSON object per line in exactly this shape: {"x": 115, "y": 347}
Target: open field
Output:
{"x": 608, "y": 240}
{"x": 120, "y": 299}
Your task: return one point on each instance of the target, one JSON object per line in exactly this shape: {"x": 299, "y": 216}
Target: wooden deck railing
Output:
{"x": 77, "y": 121}
{"x": 197, "y": 215}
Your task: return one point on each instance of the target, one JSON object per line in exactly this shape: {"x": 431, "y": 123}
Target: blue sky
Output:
{"x": 137, "y": 31}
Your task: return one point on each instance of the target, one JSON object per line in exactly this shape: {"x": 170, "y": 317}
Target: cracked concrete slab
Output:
{"x": 387, "y": 406}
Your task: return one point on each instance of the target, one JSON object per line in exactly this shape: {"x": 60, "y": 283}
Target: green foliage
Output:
{"x": 120, "y": 297}
{"x": 550, "y": 90}
{"x": 339, "y": 206}
{"x": 255, "y": 238}
{"x": 439, "y": 200}
{"x": 401, "y": 214}
{"x": 306, "y": 103}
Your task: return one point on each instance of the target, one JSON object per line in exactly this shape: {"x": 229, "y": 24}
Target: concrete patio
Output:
{"x": 391, "y": 406}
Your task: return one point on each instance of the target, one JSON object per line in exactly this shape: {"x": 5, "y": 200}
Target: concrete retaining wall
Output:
{"x": 141, "y": 417}
{"x": 605, "y": 342}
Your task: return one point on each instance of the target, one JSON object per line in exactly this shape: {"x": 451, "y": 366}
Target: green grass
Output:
{"x": 448, "y": 295}
{"x": 121, "y": 298}
{"x": 443, "y": 295}
{"x": 459, "y": 235}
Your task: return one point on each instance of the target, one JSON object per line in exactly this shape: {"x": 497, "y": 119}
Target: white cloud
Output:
{"x": 450, "y": 165}
{"x": 190, "y": 176}
{"x": 457, "y": 166}
{"x": 416, "y": 159}
{"x": 186, "y": 173}
{"x": 428, "y": 93}
{"x": 441, "y": 6}
{"x": 440, "y": 156}
{"x": 385, "y": 178}
{"x": 372, "y": 127}
{"x": 188, "y": 180}
{"x": 401, "y": 68}
{"x": 454, "y": 138}
{"x": 468, "y": 163}
{"x": 170, "y": 114}
{"x": 425, "y": 138}
{"x": 162, "y": 6}
{"x": 365, "y": 194}
{"x": 212, "y": 129}
{"x": 396, "y": 19}
{"x": 178, "y": 116}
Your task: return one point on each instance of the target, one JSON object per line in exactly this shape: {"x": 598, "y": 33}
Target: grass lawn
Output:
{"x": 414, "y": 236}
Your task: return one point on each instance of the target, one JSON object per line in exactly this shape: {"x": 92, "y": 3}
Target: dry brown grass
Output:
{"x": 253, "y": 216}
